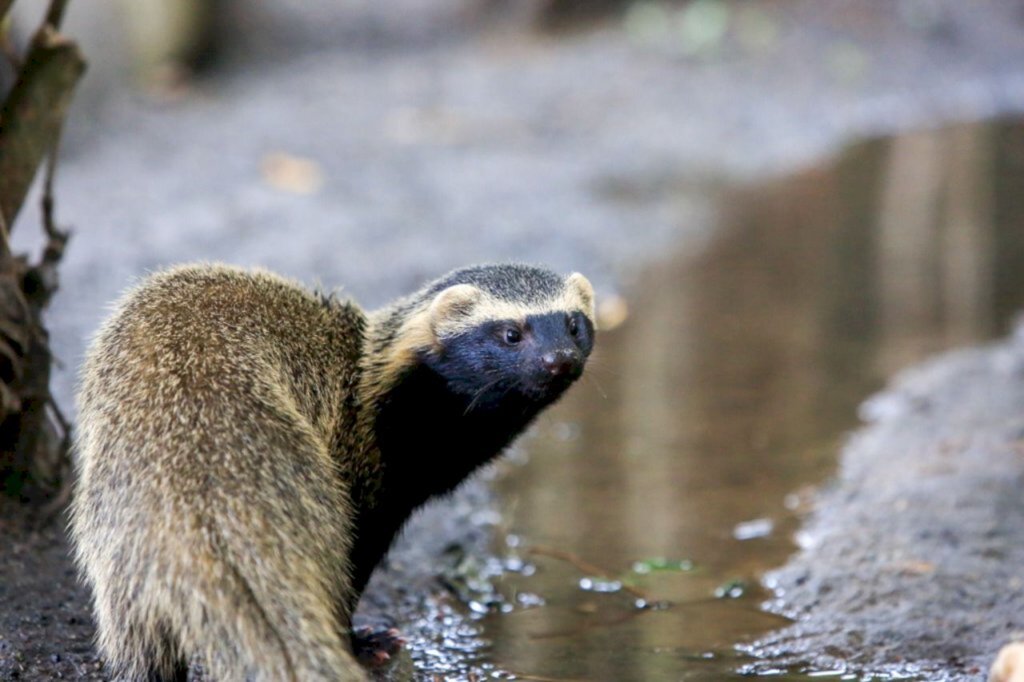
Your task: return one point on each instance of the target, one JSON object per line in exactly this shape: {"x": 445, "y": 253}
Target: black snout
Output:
{"x": 562, "y": 363}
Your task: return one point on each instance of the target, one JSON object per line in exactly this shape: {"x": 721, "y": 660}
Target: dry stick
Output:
{"x": 52, "y": 254}
{"x": 55, "y": 14}
{"x": 32, "y": 115}
{"x": 57, "y": 237}
{"x": 587, "y": 568}
{"x": 540, "y": 678}
{"x": 7, "y": 47}
{"x": 622, "y": 618}
{"x": 33, "y": 112}
{"x": 5, "y": 239}
{"x": 53, "y": 507}
{"x": 47, "y": 200}
{"x": 587, "y": 627}
{"x": 590, "y": 569}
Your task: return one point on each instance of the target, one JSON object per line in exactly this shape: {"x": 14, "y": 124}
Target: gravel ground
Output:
{"x": 911, "y": 565}
{"x": 371, "y": 148}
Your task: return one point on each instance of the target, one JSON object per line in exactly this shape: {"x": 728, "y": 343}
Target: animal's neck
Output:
{"x": 431, "y": 439}
{"x": 426, "y": 438}
{"x": 428, "y": 443}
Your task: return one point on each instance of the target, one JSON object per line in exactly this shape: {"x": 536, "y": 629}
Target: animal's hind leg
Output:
{"x": 167, "y": 663}
{"x": 246, "y": 631}
{"x": 131, "y": 653}
{"x": 274, "y": 569}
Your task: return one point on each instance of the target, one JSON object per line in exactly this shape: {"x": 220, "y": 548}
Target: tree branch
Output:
{"x": 55, "y": 15}
{"x": 5, "y": 240}
{"x": 33, "y": 114}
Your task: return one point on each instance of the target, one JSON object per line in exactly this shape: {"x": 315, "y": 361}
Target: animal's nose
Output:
{"x": 560, "y": 362}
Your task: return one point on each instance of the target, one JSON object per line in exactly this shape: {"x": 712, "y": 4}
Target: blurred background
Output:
{"x": 781, "y": 203}
{"x": 371, "y": 146}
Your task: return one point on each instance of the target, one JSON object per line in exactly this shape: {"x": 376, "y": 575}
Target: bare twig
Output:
{"x": 624, "y": 617}
{"x": 65, "y": 425}
{"x": 6, "y": 46}
{"x": 5, "y": 239}
{"x": 33, "y": 113}
{"x": 541, "y": 678}
{"x": 54, "y": 507}
{"x": 36, "y": 436}
{"x": 55, "y": 14}
{"x": 586, "y": 567}
{"x": 49, "y": 222}
{"x": 47, "y": 201}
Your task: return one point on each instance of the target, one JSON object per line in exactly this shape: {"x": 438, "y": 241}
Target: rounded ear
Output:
{"x": 585, "y": 290}
{"x": 453, "y": 303}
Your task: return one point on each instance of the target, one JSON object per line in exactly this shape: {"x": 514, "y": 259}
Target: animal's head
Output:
{"x": 509, "y": 331}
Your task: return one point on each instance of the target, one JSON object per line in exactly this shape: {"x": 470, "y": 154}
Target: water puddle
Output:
{"x": 673, "y": 476}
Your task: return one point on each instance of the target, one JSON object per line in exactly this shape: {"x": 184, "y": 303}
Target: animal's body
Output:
{"x": 248, "y": 450}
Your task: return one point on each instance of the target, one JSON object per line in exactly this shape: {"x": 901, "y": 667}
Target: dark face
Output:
{"x": 514, "y": 362}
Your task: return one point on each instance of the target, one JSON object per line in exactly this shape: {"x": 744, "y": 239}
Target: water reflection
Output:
{"x": 729, "y": 386}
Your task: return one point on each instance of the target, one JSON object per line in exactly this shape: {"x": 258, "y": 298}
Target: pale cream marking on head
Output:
{"x": 585, "y": 290}
{"x": 459, "y": 308}
{"x": 452, "y": 304}
{"x": 473, "y": 309}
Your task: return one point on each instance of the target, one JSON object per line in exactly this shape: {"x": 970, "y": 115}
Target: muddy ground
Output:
{"x": 439, "y": 135}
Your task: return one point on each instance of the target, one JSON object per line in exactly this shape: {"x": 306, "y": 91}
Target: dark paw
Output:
{"x": 375, "y": 648}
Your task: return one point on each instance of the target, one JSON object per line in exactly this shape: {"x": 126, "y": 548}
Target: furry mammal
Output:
{"x": 247, "y": 451}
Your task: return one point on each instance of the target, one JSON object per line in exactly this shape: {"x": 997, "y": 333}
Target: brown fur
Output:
{"x": 226, "y": 440}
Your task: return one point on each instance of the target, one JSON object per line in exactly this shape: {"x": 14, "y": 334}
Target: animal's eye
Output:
{"x": 574, "y": 326}
{"x": 513, "y": 336}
